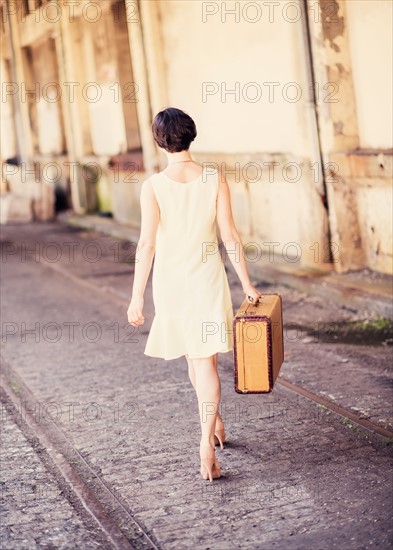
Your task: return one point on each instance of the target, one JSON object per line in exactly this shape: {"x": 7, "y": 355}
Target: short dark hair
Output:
{"x": 173, "y": 130}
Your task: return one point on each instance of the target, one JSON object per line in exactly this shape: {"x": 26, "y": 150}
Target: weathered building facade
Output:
{"x": 288, "y": 97}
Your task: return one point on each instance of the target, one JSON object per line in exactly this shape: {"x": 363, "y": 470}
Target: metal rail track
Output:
{"x": 341, "y": 411}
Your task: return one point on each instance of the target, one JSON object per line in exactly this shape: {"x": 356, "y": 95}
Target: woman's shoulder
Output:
{"x": 151, "y": 179}
{"x": 148, "y": 184}
{"x": 211, "y": 167}
{"x": 157, "y": 176}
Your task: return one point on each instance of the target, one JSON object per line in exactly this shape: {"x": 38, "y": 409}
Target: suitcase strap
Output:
{"x": 251, "y": 300}
{"x": 244, "y": 360}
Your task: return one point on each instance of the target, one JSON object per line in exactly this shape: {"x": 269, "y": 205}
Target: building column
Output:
{"x": 155, "y": 63}
{"x": 21, "y": 110}
{"x": 154, "y": 55}
{"x": 338, "y": 126}
{"x": 70, "y": 83}
{"x": 139, "y": 63}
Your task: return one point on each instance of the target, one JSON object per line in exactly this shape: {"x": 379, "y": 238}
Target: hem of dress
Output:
{"x": 183, "y": 354}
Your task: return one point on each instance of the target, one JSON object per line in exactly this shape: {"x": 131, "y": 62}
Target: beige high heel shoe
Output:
{"x": 219, "y": 434}
{"x": 210, "y": 467}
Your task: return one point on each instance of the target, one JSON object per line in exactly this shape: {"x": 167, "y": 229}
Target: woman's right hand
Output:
{"x": 250, "y": 290}
{"x": 135, "y": 312}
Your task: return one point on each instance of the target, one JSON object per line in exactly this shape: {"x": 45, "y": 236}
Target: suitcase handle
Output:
{"x": 250, "y": 299}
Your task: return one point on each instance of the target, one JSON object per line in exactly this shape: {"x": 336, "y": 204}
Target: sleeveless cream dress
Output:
{"x": 191, "y": 295}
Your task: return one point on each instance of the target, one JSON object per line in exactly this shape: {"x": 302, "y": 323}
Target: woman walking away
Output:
{"x": 180, "y": 207}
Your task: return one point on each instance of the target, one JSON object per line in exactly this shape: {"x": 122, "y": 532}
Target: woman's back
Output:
{"x": 183, "y": 172}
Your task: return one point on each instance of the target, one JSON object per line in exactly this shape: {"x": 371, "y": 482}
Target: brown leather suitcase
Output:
{"x": 258, "y": 344}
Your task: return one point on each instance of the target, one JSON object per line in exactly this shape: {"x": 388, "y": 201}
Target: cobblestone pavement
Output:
{"x": 35, "y": 511}
{"x": 294, "y": 475}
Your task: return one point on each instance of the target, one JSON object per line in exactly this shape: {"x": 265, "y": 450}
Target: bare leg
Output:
{"x": 191, "y": 374}
{"x": 208, "y": 390}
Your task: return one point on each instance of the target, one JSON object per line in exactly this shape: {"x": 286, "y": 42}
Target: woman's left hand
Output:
{"x": 135, "y": 312}
{"x": 250, "y": 290}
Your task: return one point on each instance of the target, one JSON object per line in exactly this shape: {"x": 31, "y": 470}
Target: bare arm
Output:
{"x": 150, "y": 216}
{"x": 230, "y": 236}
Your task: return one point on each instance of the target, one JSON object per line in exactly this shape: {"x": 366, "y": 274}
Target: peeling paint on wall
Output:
{"x": 333, "y": 25}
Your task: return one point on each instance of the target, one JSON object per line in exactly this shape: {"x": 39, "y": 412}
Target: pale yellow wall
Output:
{"x": 224, "y": 52}
{"x": 370, "y": 36}
{"x": 7, "y": 129}
{"x": 107, "y": 125}
{"x": 50, "y": 139}
{"x": 375, "y": 206}
{"x": 221, "y": 51}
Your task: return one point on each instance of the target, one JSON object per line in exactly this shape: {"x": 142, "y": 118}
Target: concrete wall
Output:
{"x": 371, "y": 47}
{"x": 215, "y": 53}
{"x": 357, "y": 166}
{"x": 243, "y": 79}
{"x": 376, "y": 223}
